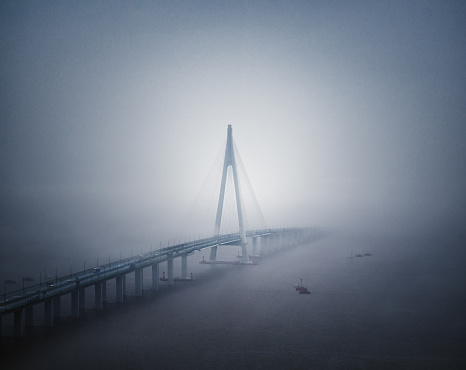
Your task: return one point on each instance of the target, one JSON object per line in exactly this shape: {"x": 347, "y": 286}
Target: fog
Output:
{"x": 348, "y": 116}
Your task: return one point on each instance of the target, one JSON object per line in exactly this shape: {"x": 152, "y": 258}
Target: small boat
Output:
{"x": 359, "y": 255}
{"x": 367, "y": 254}
{"x": 304, "y": 291}
{"x": 163, "y": 278}
{"x": 301, "y": 289}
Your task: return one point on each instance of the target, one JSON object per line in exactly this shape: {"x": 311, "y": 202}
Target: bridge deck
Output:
{"x": 38, "y": 293}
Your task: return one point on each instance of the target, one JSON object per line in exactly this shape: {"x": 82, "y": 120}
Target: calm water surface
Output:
{"x": 402, "y": 307}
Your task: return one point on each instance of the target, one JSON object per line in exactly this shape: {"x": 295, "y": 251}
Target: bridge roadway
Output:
{"x": 50, "y": 291}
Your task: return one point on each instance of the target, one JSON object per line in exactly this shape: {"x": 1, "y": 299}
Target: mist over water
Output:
{"x": 347, "y": 116}
{"x": 402, "y": 307}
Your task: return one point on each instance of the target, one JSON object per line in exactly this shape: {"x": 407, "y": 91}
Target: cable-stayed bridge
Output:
{"x": 20, "y": 303}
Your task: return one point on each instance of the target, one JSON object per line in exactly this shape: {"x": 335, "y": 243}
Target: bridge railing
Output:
{"x": 123, "y": 266}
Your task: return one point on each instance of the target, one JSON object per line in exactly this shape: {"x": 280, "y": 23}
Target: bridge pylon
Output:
{"x": 230, "y": 161}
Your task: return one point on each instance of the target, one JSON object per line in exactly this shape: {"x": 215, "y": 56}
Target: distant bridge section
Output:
{"x": 20, "y": 303}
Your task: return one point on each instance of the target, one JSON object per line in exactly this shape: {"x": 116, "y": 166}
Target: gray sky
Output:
{"x": 345, "y": 114}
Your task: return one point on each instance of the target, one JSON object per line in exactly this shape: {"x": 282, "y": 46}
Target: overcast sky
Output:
{"x": 344, "y": 113}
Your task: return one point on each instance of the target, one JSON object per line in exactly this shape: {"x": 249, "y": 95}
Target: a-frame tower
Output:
{"x": 230, "y": 161}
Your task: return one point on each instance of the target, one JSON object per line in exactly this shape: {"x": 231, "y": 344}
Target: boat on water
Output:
{"x": 301, "y": 289}
{"x": 304, "y": 291}
{"x": 164, "y": 278}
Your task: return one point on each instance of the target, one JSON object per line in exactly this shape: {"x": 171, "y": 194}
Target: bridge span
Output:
{"x": 21, "y": 303}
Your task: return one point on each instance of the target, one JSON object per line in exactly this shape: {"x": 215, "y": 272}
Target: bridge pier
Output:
{"x": 213, "y": 254}
{"x": 28, "y": 316}
{"x": 98, "y": 296}
{"x": 171, "y": 281}
{"x": 138, "y": 282}
{"x": 75, "y": 302}
{"x": 104, "y": 291}
{"x": 48, "y": 312}
{"x": 155, "y": 276}
{"x": 124, "y": 286}
{"x": 18, "y": 323}
{"x": 254, "y": 246}
{"x": 264, "y": 239}
{"x": 57, "y": 307}
{"x": 272, "y": 243}
{"x": 81, "y": 295}
{"x": 184, "y": 266}
{"x": 119, "y": 288}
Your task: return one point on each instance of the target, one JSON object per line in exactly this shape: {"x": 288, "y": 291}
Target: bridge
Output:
{"x": 21, "y": 303}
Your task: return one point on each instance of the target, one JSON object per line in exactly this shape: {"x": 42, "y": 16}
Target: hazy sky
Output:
{"x": 345, "y": 113}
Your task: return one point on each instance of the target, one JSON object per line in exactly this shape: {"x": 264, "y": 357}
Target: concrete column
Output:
{"x": 82, "y": 300}
{"x": 124, "y": 285}
{"x": 56, "y": 306}
{"x": 184, "y": 266}
{"x": 213, "y": 254}
{"x": 75, "y": 302}
{"x": 119, "y": 289}
{"x": 254, "y": 246}
{"x": 48, "y": 312}
{"x": 18, "y": 323}
{"x": 29, "y": 315}
{"x": 264, "y": 239}
{"x": 138, "y": 276}
{"x": 155, "y": 276}
{"x": 104, "y": 291}
{"x": 170, "y": 272}
{"x": 98, "y": 296}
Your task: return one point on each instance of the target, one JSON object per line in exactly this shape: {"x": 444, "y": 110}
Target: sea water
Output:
{"x": 401, "y": 307}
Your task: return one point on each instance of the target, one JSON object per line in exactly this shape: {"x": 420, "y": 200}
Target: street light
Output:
{"x": 84, "y": 268}
{"x": 26, "y": 278}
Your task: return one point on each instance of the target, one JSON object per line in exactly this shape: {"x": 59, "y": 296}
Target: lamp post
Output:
{"x": 84, "y": 266}
{"x": 26, "y": 278}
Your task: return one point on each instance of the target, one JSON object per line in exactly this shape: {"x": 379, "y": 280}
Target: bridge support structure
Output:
{"x": 29, "y": 316}
{"x": 184, "y": 266}
{"x": 138, "y": 275}
{"x": 48, "y": 312}
{"x": 171, "y": 280}
{"x": 98, "y": 296}
{"x": 104, "y": 291}
{"x": 57, "y": 307}
{"x": 155, "y": 276}
{"x": 75, "y": 300}
{"x": 18, "y": 323}
{"x": 254, "y": 246}
{"x": 82, "y": 299}
{"x": 230, "y": 161}
{"x": 119, "y": 289}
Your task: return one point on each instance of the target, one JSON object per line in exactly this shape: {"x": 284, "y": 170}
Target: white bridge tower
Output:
{"x": 230, "y": 161}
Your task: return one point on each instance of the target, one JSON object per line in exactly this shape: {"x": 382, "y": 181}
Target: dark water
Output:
{"x": 402, "y": 307}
